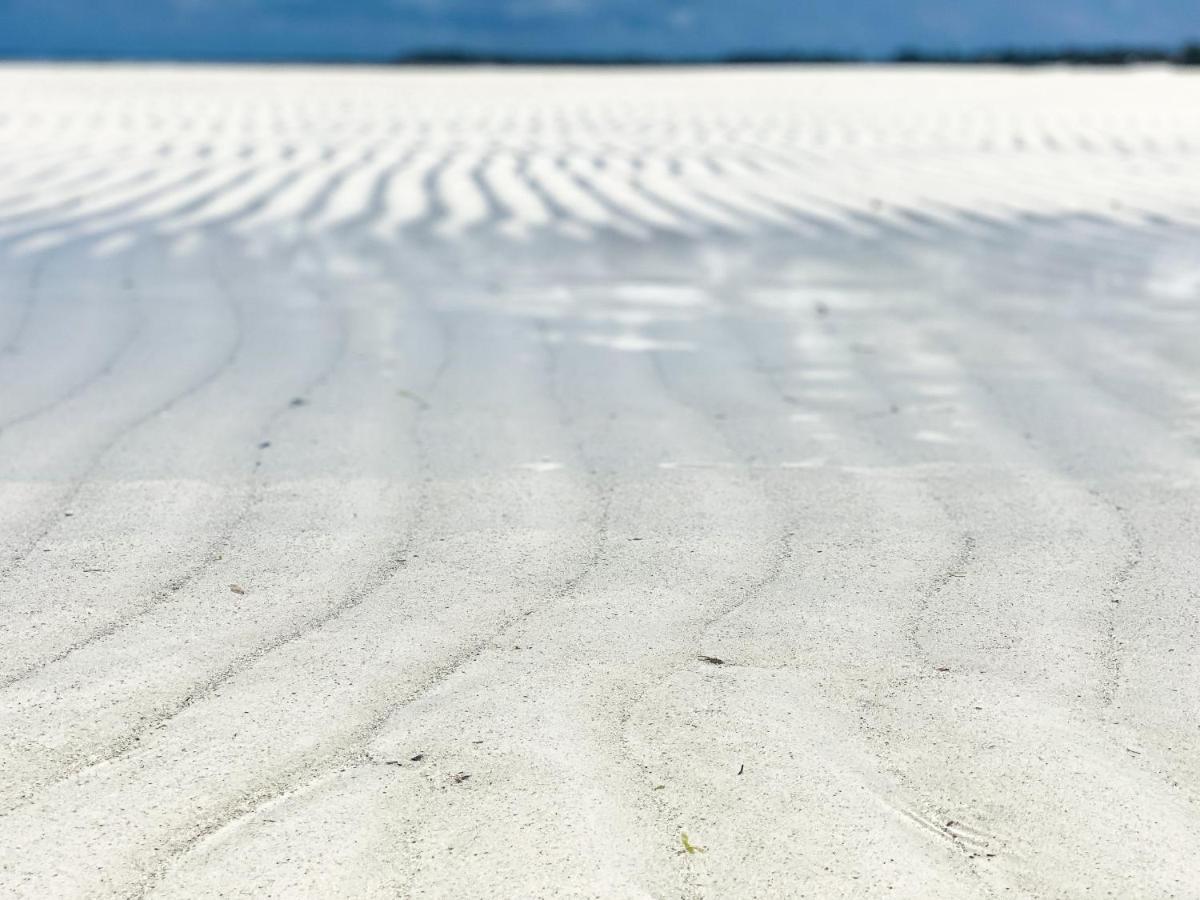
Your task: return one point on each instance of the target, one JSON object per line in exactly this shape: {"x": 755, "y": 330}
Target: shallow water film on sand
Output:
{"x": 705, "y": 484}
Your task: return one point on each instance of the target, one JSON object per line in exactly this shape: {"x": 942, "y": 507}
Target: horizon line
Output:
{"x": 1185, "y": 54}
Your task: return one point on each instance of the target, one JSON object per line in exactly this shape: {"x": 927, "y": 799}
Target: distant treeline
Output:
{"x": 1187, "y": 55}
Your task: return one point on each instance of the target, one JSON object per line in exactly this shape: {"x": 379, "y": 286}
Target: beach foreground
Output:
{"x": 753, "y": 483}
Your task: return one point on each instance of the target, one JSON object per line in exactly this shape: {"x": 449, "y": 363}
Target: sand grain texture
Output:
{"x": 468, "y": 484}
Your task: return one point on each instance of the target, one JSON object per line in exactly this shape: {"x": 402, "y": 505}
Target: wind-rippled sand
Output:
{"x": 469, "y": 484}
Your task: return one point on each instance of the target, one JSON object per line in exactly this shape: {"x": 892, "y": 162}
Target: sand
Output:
{"x": 599, "y": 484}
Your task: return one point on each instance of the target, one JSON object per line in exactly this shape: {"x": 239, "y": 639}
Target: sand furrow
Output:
{"x": 699, "y": 483}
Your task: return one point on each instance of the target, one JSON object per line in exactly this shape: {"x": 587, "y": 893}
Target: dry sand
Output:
{"x": 468, "y": 484}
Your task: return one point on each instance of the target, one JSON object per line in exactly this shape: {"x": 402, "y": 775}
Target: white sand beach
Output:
{"x": 633, "y": 483}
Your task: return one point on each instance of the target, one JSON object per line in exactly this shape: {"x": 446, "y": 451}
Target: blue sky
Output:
{"x": 385, "y": 28}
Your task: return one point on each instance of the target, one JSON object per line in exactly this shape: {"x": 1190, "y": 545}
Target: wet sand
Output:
{"x": 504, "y": 484}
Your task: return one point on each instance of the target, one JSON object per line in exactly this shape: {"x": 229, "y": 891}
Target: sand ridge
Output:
{"x": 764, "y": 483}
